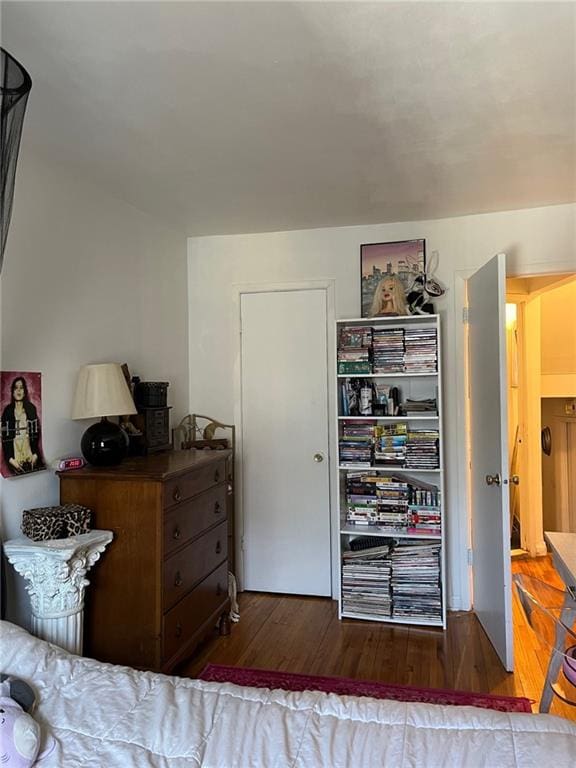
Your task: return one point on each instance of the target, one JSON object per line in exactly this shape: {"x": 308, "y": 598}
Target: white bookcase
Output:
{"x": 391, "y": 480}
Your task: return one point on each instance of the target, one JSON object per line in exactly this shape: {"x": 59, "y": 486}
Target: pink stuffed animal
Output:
{"x": 19, "y": 734}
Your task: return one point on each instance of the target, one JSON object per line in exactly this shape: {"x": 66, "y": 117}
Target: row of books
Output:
{"x": 395, "y": 503}
{"x": 423, "y": 522}
{"x": 394, "y": 445}
{"x": 415, "y": 491}
{"x": 387, "y": 350}
{"x": 393, "y": 579}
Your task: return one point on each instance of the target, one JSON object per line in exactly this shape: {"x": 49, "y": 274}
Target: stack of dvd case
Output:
{"x": 388, "y": 350}
{"x": 422, "y": 449}
{"x": 390, "y": 443}
{"x": 415, "y": 581}
{"x": 354, "y": 348}
{"x": 356, "y": 443}
{"x": 421, "y": 350}
{"x": 366, "y": 581}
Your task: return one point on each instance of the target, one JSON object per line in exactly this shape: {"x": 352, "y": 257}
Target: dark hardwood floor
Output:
{"x": 303, "y": 634}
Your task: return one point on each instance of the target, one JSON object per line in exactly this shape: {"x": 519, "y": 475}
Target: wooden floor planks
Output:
{"x": 304, "y": 635}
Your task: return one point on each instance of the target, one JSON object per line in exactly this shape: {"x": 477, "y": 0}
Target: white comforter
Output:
{"x": 103, "y": 716}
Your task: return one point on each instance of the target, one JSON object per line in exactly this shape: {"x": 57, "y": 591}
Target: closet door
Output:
{"x": 285, "y": 462}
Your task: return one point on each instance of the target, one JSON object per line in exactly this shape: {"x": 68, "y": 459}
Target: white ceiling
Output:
{"x": 227, "y": 117}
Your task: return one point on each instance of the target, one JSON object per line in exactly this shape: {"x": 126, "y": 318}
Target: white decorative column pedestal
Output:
{"x": 55, "y": 572}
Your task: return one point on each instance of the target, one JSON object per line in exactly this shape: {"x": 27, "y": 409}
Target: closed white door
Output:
{"x": 492, "y": 576}
{"x": 285, "y": 462}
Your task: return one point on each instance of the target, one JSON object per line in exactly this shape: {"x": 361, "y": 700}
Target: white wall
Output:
{"x": 536, "y": 241}
{"x": 86, "y": 278}
{"x": 558, "y": 328}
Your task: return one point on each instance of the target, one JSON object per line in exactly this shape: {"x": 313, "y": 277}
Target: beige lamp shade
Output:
{"x": 101, "y": 390}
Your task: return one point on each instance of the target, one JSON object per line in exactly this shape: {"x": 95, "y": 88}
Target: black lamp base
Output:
{"x": 104, "y": 444}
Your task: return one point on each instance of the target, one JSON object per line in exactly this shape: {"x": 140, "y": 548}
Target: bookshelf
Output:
{"x": 390, "y": 471}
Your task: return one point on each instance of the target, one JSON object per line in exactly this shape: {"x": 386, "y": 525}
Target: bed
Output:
{"x": 105, "y": 716}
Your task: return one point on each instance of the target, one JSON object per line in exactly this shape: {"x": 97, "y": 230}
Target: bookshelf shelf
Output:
{"x": 392, "y": 620}
{"x": 386, "y": 470}
{"x": 374, "y": 530}
{"x": 378, "y": 322}
{"x": 384, "y": 375}
{"x": 391, "y": 517}
{"x": 390, "y": 419}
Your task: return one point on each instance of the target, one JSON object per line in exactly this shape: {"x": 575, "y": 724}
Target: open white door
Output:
{"x": 492, "y": 597}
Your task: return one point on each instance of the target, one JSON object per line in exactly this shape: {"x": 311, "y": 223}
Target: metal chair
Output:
{"x": 551, "y": 613}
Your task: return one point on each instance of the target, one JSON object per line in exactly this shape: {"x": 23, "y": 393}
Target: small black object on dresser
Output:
{"x": 153, "y": 417}
{"x": 151, "y": 394}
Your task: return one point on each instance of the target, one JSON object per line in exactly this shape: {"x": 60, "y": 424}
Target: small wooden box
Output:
{"x": 154, "y": 423}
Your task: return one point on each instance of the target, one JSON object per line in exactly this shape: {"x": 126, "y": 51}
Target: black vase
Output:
{"x": 104, "y": 444}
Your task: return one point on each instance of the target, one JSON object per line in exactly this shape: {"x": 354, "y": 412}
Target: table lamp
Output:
{"x": 102, "y": 391}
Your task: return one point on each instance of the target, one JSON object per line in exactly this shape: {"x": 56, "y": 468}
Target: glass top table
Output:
{"x": 563, "y": 546}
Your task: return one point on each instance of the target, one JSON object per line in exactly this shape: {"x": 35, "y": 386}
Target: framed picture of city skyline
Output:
{"x": 393, "y": 265}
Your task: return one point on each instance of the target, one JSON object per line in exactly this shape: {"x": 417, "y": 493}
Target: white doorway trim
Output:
{"x": 462, "y": 434}
{"x": 238, "y": 289}
{"x": 565, "y": 469}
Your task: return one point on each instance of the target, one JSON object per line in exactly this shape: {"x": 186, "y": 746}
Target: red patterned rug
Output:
{"x": 267, "y": 678}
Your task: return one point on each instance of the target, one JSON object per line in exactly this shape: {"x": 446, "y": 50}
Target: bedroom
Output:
{"x": 82, "y": 270}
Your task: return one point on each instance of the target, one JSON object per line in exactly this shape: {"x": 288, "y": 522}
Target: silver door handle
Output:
{"x": 515, "y": 480}
{"x": 318, "y": 457}
{"x": 493, "y": 479}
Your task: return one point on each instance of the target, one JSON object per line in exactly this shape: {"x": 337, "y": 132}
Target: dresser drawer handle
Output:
{"x": 177, "y": 496}
{"x": 218, "y": 547}
{"x": 216, "y": 475}
{"x": 178, "y": 580}
{"x": 218, "y": 589}
{"x": 176, "y": 533}
{"x": 178, "y": 631}
{"x": 217, "y": 508}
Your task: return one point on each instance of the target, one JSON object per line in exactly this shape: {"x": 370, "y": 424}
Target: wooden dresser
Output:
{"x": 162, "y": 584}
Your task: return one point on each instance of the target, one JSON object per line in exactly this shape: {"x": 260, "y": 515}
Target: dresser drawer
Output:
{"x": 179, "y": 489}
{"x": 185, "y": 618}
{"x": 189, "y": 566}
{"x": 191, "y": 518}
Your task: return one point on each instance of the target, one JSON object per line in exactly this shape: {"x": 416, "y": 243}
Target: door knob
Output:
{"x": 493, "y": 479}
{"x": 318, "y": 457}
{"x": 515, "y": 480}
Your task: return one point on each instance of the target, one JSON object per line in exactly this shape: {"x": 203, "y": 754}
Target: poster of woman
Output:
{"x": 388, "y": 272}
{"x": 20, "y": 425}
